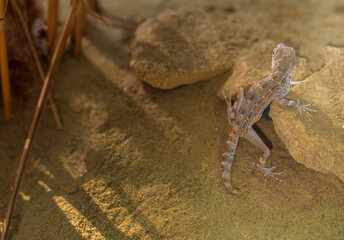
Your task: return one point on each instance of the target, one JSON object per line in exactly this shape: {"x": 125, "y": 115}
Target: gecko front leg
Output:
{"x": 297, "y": 104}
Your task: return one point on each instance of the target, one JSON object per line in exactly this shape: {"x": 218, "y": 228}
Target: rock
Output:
{"x": 318, "y": 141}
{"x": 176, "y": 48}
{"x": 254, "y": 65}
{"x": 72, "y": 189}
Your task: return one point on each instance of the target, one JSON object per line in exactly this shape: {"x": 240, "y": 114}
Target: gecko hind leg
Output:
{"x": 253, "y": 137}
{"x": 230, "y": 114}
{"x": 233, "y": 110}
{"x": 238, "y": 101}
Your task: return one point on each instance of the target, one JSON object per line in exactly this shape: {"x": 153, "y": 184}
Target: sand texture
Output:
{"x": 137, "y": 162}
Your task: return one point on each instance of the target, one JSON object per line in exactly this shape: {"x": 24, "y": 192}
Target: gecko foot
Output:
{"x": 304, "y": 108}
{"x": 268, "y": 172}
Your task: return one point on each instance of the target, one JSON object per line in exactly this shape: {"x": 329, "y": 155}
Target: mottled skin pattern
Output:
{"x": 249, "y": 109}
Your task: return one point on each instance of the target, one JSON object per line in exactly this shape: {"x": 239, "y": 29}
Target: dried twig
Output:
{"x": 5, "y": 78}
{"x": 80, "y": 23}
{"x": 38, "y": 112}
{"x": 119, "y": 22}
{"x": 37, "y": 61}
{"x": 110, "y": 21}
{"x": 93, "y": 4}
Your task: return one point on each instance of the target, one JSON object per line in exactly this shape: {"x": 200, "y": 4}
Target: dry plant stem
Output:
{"x": 52, "y": 17}
{"x": 119, "y": 22}
{"x": 77, "y": 29}
{"x": 5, "y": 79}
{"x": 93, "y": 5}
{"x": 110, "y": 21}
{"x": 37, "y": 61}
{"x": 38, "y": 112}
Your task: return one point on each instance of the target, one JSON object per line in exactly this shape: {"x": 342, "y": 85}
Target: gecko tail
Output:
{"x": 233, "y": 190}
{"x": 228, "y": 158}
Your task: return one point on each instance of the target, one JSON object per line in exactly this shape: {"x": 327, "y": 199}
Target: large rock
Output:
{"x": 254, "y": 65}
{"x": 318, "y": 141}
{"x": 176, "y": 48}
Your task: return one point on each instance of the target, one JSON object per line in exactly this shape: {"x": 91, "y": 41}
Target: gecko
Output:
{"x": 248, "y": 109}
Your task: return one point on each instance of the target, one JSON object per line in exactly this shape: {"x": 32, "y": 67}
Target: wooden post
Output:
{"x": 52, "y": 17}
{"x": 5, "y": 79}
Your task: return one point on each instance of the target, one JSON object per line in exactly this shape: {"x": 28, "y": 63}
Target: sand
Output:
{"x": 135, "y": 162}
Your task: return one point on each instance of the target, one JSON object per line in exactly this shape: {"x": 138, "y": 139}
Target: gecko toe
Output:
{"x": 268, "y": 172}
{"x": 304, "y": 108}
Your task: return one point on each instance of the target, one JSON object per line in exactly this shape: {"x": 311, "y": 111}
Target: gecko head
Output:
{"x": 283, "y": 60}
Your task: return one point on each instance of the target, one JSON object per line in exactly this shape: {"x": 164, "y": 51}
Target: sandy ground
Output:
{"x": 134, "y": 162}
